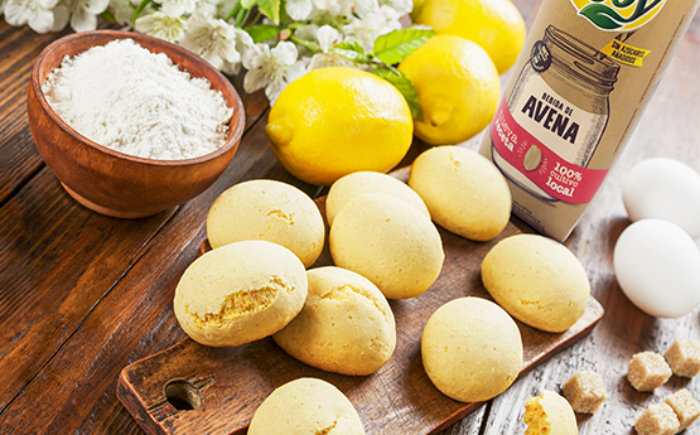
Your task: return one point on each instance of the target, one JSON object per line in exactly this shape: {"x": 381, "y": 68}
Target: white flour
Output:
{"x": 126, "y": 98}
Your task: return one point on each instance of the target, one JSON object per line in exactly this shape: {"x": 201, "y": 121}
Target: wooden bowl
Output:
{"x": 108, "y": 181}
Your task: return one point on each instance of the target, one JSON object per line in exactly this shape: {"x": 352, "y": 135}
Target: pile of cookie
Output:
{"x": 384, "y": 243}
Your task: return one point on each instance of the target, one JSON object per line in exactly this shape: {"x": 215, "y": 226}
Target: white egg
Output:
{"x": 657, "y": 265}
{"x": 664, "y": 189}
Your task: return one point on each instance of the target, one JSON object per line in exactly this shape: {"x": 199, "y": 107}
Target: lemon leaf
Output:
{"x": 263, "y": 32}
{"x": 351, "y": 50}
{"x": 247, "y": 4}
{"x": 393, "y": 47}
{"x": 271, "y": 9}
{"x": 404, "y": 86}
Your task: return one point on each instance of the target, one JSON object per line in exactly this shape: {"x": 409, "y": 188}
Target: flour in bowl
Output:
{"x": 136, "y": 102}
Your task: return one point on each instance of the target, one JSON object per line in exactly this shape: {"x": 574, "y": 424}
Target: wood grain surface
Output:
{"x": 82, "y": 296}
{"x": 398, "y": 399}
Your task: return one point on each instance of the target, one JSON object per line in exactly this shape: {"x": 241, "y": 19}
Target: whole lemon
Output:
{"x": 458, "y": 88}
{"x": 496, "y": 25}
{"x": 335, "y": 121}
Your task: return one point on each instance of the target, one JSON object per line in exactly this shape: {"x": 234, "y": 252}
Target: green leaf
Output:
{"x": 263, "y": 32}
{"x": 247, "y": 4}
{"x": 271, "y": 9}
{"x": 602, "y": 16}
{"x": 404, "y": 86}
{"x": 352, "y": 50}
{"x": 393, "y": 47}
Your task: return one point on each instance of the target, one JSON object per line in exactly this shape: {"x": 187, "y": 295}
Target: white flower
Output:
{"x": 299, "y": 10}
{"x": 347, "y": 7}
{"x": 175, "y": 8}
{"x": 271, "y": 69}
{"x": 214, "y": 40}
{"x": 334, "y": 7}
{"x": 327, "y": 37}
{"x": 243, "y": 42}
{"x": 83, "y": 13}
{"x": 61, "y": 15}
{"x": 124, "y": 10}
{"x": 368, "y": 29}
{"x": 402, "y": 7}
{"x": 364, "y": 8}
{"x": 161, "y": 26}
{"x": 37, "y": 13}
{"x": 207, "y": 7}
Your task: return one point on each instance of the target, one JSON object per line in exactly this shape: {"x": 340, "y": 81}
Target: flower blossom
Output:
{"x": 176, "y": 8}
{"x": 367, "y": 29}
{"x": 327, "y": 37}
{"x": 216, "y": 41}
{"x": 272, "y": 69}
{"x": 402, "y": 7}
{"x": 83, "y": 13}
{"x": 161, "y": 26}
{"x": 299, "y": 10}
{"x": 38, "y": 14}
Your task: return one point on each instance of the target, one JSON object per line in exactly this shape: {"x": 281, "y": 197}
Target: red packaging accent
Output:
{"x": 561, "y": 179}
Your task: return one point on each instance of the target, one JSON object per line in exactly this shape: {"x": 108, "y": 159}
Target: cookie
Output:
{"x": 537, "y": 280}
{"x": 306, "y": 406}
{"x": 471, "y": 349}
{"x": 346, "y": 325}
{"x": 240, "y": 293}
{"x": 358, "y": 183}
{"x": 389, "y": 242}
{"x": 267, "y": 210}
{"x": 465, "y": 193}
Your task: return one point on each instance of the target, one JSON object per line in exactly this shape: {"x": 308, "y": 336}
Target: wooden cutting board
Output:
{"x": 226, "y": 385}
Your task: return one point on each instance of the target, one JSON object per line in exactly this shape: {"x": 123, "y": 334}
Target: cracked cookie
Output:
{"x": 240, "y": 293}
{"x": 346, "y": 325}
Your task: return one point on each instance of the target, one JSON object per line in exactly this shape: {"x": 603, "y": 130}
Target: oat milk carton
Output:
{"x": 586, "y": 74}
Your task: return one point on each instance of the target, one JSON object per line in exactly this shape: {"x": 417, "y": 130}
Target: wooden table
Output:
{"x": 83, "y": 295}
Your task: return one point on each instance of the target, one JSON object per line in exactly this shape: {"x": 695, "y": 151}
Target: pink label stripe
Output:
{"x": 559, "y": 178}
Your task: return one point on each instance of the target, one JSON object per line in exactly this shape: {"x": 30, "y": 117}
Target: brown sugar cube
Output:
{"x": 657, "y": 420}
{"x": 684, "y": 358}
{"x": 585, "y": 392}
{"x": 686, "y": 408}
{"x": 648, "y": 370}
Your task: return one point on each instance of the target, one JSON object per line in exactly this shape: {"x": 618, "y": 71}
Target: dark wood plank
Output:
{"x": 398, "y": 399}
{"x": 129, "y": 320}
{"x": 57, "y": 259}
{"x": 18, "y": 49}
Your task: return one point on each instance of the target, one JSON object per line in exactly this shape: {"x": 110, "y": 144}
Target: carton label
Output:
{"x": 618, "y": 15}
{"x": 550, "y": 171}
{"x": 625, "y": 53}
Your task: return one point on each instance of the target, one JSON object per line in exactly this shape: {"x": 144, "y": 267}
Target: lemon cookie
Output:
{"x": 239, "y": 293}
{"x": 471, "y": 349}
{"x": 389, "y": 242}
{"x": 549, "y": 414}
{"x": 346, "y": 325}
{"x": 306, "y": 406}
{"x": 267, "y": 210}
{"x": 537, "y": 280}
{"x": 465, "y": 193}
{"x": 358, "y": 183}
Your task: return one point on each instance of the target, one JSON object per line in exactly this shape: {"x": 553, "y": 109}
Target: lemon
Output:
{"x": 496, "y": 25}
{"x": 335, "y": 121}
{"x": 458, "y": 88}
